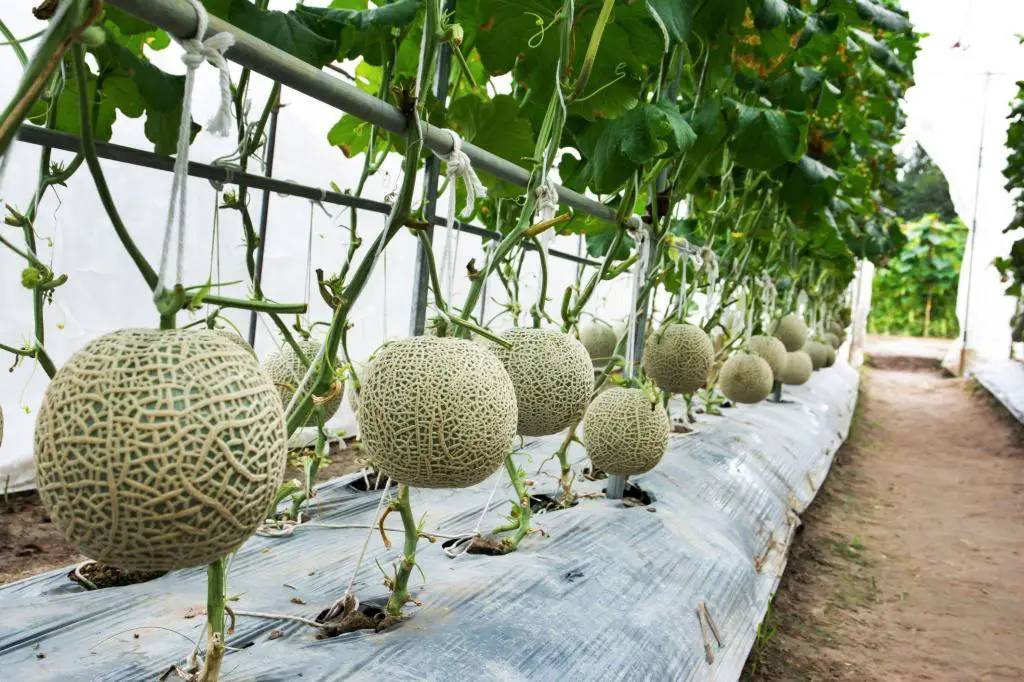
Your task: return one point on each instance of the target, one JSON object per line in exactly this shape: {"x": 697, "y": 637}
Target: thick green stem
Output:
{"x": 537, "y": 311}
{"x": 216, "y": 600}
{"x": 566, "y": 479}
{"x": 521, "y": 509}
{"x": 400, "y": 589}
{"x": 595, "y": 43}
{"x": 574, "y": 312}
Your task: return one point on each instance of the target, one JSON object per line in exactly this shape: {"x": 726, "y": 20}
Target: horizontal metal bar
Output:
{"x": 138, "y": 157}
{"x": 179, "y": 18}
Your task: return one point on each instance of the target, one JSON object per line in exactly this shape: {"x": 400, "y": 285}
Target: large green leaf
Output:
{"x": 880, "y": 16}
{"x": 498, "y": 127}
{"x": 676, "y": 15}
{"x": 767, "y": 138}
{"x": 282, "y": 30}
{"x": 357, "y": 29}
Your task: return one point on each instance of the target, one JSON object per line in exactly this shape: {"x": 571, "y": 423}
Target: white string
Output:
{"x": 459, "y": 167}
{"x": 546, "y": 208}
{"x": 270, "y": 332}
{"x": 309, "y": 261}
{"x": 464, "y": 542}
{"x": 748, "y": 310}
{"x": 638, "y": 278}
{"x": 197, "y": 50}
{"x": 769, "y": 294}
{"x": 710, "y": 263}
{"x": 305, "y": 381}
{"x": 215, "y": 244}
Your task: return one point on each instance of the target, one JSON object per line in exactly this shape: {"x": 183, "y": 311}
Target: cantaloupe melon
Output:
{"x": 792, "y": 331}
{"x": 818, "y": 353}
{"x": 600, "y": 340}
{"x": 678, "y": 358}
{"x": 746, "y": 378}
{"x": 158, "y": 450}
{"x": 286, "y": 370}
{"x": 624, "y": 432}
{"x": 771, "y": 350}
{"x": 437, "y": 412}
{"x": 798, "y": 368}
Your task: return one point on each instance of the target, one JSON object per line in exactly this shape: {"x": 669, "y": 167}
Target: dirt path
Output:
{"x": 910, "y": 565}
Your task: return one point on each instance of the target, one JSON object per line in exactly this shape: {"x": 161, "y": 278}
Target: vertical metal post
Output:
{"x": 432, "y": 169}
{"x": 617, "y": 484}
{"x": 974, "y": 226}
{"x": 264, "y": 212}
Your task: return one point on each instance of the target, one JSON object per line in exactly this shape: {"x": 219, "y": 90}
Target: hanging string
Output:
{"x": 197, "y": 51}
{"x": 710, "y": 264}
{"x": 309, "y": 263}
{"x": 748, "y": 309}
{"x": 459, "y": 167}
{"x": 462, "y": 544}
{"x": 638, "y": 280}
{"x": 215, "y": 244}
{"x": 769, "y": 294}
{"x": 545, "y": 209}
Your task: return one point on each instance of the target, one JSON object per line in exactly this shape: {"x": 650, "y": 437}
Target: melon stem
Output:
{"x": 216, "y": 597}
{"x": 565, "y": 480}
{"x": 400, "y": 586}
{"x": 776, "y": 391}
{"x": 522, "y": 507}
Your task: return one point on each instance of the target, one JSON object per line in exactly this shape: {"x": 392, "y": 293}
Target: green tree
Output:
{"x": 923, "y": 189}
{"x": 915, "y": 294}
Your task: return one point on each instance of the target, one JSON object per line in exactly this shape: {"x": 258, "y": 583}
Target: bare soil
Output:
{"x": 30, "y": 544}
{"x": 910, "y": 564}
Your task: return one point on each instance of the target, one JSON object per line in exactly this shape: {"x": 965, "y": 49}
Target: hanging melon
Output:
{"x": 830, "y": 357}
{"x": 553, "y": 376}
{"x": 600, "y": 340}
{"x": 818, "y": 354}
{"x": 792, "y": 331}
{"x": 237, "y": 340}
{"x": 771, "y": 350}
{"x": 624, "y": 432}
{"x": 798, "y": 368}
{"x": 436, "y": 412}
{"x": 746, "y": 378}
{"x": 286, "y": 370}
{"x": 831, "y": 340}
{"x": 678, "y": 358}
{"x": 158, "y": 450}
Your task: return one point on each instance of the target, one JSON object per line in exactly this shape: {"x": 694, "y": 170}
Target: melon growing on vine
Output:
{"x": 158, "y": 450}
{"x": 831, "y": 340}
{"x": 798, "y": 368}
{"x": 624, "y": 432}
{"x": 792, "y": 331}
{"x": 818, "y": 353}
{"x": 437, "y": 412}
{"x": 771, "y": 350}
{"x": 830, "y": 356}
{"x": 678, "y": 358}
{"x": 553, "y": 377}
{"x": 286, "y": 370}
{"x": 746, "y": 378}
{"x": 600, "y": 340}
{"x": 237, "y": 340}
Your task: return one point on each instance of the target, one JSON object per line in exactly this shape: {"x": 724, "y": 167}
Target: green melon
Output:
{"x": 818, "y": 352}
{"x": 771, "y": 350}
{"x": 286, "y": 370}
{"x": 158, "y": 450}
{"x": 678, "y": 358}
{"x": 746, "y": 378}
{"x": 553, "y": 376}
{"x": 600, "y": 340}
{"x": 830, "y": 358}
{"x": 830, "y": 340}
{"x": 792, "y": 331}
{"x": 437, "y": 412}
{"x": 624, "y": 432}
{"x": 237, "y": 340}
{"x": 798, "y": 368}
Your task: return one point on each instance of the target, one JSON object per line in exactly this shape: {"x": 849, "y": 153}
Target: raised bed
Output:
{"x": 1005, "y": 381}
{"x": 609, "y": 593}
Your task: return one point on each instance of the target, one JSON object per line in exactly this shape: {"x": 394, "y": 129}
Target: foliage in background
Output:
{"x": 915, "y": 294}
{"x": 1011, "y": 267}
{"x": 923, "y": 189}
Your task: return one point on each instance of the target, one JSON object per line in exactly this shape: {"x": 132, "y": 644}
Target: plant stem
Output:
{"x": 216, "y": 599}
{"x": 565, "y": 480}
{"x": 400, "y": 588}
{"x": 591, "y": 55}
{"x": 15, "y": 43}
{"x": 522, "y": 509}
{"x": 537, "y": 311}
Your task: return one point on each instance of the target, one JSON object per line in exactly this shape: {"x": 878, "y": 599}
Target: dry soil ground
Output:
{"x": 910, "y": 564}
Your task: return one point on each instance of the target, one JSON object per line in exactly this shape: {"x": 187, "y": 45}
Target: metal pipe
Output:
{"x": 179, "y": 19}
{"x": 138, "y": 157}
{"x": 264, "y": 213}
{"x": 432, "y": 172}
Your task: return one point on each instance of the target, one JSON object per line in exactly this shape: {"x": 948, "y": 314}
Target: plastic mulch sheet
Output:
{"x": 609, "y": 592}
{"x": 1005, "y": 381}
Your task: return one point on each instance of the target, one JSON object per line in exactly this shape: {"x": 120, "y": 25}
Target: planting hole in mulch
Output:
{"x": 592, "y": 473}
{"x": 543, "y": 503}
{"x": 96, "y": 576}
{"x": 369, "y": 615}
{"x": 635, "y": 496}
{"x": 373, "y": 480}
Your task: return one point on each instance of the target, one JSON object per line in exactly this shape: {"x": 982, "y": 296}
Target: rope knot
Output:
{"x": 461, "y": 168}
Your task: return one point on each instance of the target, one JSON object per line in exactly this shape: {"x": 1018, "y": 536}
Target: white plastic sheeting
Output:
{"x": 946, "y": 110}
{"x": 1005, "y": 381}
{"x": 609, "y": 593}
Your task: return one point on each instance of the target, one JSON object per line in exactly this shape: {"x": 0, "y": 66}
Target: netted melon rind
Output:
{"x": 600, "y": 340}
{"x": 678, "y": 358}
{"x": 792, "y": 331}
{"x": 237, "y": 340}
{"x": 818, "y": 354}
{"x": 771, "y": 350}
{"x": 624, "y": 433}
{"x": 798, "y": 368}
{"x": 436, "y": 412}
{"x": 286, "y": 370}
{"x": 746, "y": 379}
{"x": 553, "y": 376}
{"x": 158, "y": 450}
{"x": 830, "y": 358}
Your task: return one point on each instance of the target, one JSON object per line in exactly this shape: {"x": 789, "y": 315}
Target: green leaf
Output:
{"x": 768, "y": 138}
{"x": 882, "y": 17}
{"x": 128, "y": 24}
{"x": 497, "y": 127}
{"x": 676, "y": 15}
{"x": 350, "y": 134}
{"x": 284, "y": 31}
